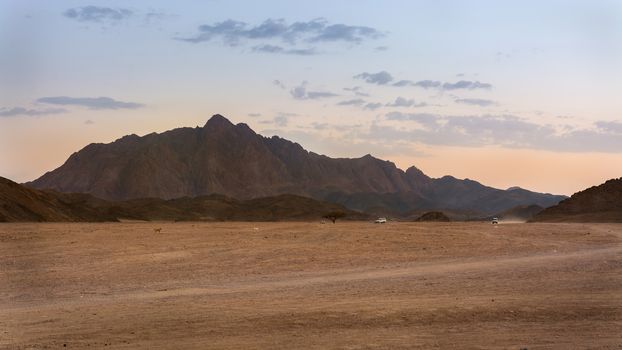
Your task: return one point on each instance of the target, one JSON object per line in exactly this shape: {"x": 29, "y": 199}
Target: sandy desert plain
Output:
{"x": 307, "y": 285}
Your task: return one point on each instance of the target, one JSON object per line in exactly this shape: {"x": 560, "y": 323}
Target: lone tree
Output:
{"x": 334, "y": 215}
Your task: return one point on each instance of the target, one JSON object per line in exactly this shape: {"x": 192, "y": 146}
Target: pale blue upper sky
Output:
{"x": 448, "y": 86}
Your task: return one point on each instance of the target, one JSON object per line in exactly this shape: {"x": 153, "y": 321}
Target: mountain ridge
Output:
{"x": 235, "y": 161}
{"x": 602, "y": 203}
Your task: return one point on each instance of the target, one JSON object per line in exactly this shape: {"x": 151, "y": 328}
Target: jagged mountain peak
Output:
{"x": 235, "y": 161}
{"x": 414, "y": 171}
{"x": 217, "y": 120}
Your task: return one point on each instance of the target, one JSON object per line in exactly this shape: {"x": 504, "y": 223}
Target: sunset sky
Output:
{"x": 508, "y": 93}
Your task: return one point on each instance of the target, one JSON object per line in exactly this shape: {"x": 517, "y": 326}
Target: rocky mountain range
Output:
{"x": 602, "y": 203}
{"x": 233, "y": 160}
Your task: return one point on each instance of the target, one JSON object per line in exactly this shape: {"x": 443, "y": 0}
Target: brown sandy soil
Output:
{"x": 311, "y": 286}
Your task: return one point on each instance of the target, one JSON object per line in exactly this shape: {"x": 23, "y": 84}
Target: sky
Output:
{"x": 508, "y": 93}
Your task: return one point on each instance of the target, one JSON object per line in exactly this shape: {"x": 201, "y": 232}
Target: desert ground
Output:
{"x": 350, "y": 285}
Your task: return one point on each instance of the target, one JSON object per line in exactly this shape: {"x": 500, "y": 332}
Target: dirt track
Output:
{"x": 307, "y": 285}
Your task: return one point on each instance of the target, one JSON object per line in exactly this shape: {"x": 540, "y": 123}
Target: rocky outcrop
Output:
{"x": 601, "y": 203}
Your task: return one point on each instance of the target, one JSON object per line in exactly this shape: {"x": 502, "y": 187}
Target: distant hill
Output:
{"x": 601, "y": 203}
{"x": 21, "y": 204}
{"x": 520, "y": 213}
{"x": 433, "y": 216}
{"x": 234, "y": 161}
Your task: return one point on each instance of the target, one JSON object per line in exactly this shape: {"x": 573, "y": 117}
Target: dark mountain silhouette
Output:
{"x": 601, "y": 203}
{"x": 235, "y": 161}
{"x": 21, "y": 204}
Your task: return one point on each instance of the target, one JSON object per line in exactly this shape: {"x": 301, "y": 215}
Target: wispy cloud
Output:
{"x": 372, "y": 106}
{"x": 357, "y": 90}
{"x": 155, "y": 16}
{"x": 98, "y": 14}
{"x": 614, "y": 127}
{"x": 232, "y": 32}
{"x": 300, "y": 92}
{"x": 402, "y": 83}
{"x": 476, "y": 102}
{"x": 466, "y": 84}
{"x": 90, "y": 102}
{"x": 281, "y": 120}
{"x": 320, "y": 126}
{"x": 427, "y": 120}
{"x": 353, "y": 102}
{"x": 312, "y": 95}
{"x": 112, "y": 16}
{"x": 21, "y": 111}
{"x": 343, "y": 32}
{"x": 384, "y": 78}
{"x": 278, "y": 83}
{"x": 499, "y": 130}
{"x": 426, "y": 84}
{"x": 404, "y": 102}
{"x": 278, "y": 49}
{"x": 380, "y": 78}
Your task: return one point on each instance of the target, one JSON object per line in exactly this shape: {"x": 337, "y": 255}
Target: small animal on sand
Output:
{"x": 157, "y": 230}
